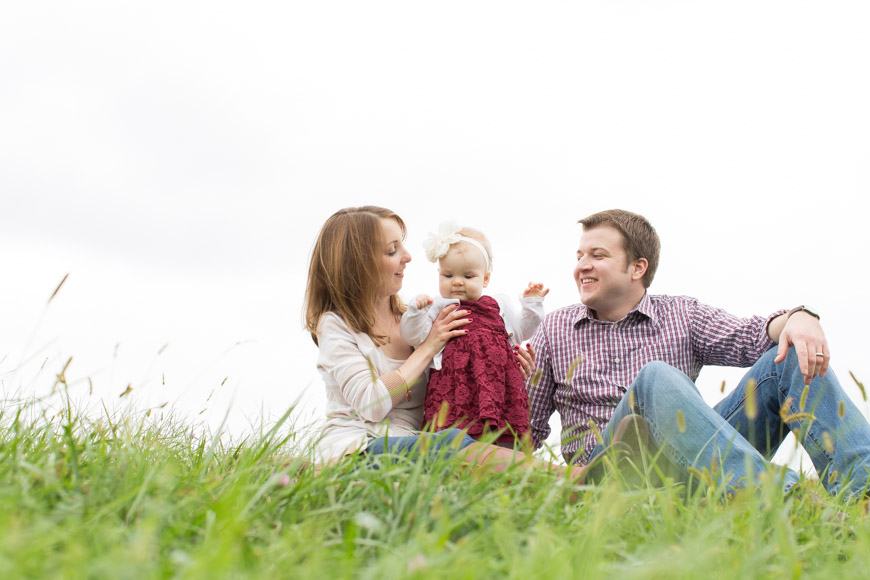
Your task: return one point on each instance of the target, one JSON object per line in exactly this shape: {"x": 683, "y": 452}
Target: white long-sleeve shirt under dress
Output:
{"x": 358, "y": 404}
{"x": 417, "y": 322}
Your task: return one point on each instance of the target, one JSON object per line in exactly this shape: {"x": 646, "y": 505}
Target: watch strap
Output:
{"x": 803, "y": 308}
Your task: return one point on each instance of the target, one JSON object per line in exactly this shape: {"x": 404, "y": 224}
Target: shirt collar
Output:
{"x": 644, "y": 307}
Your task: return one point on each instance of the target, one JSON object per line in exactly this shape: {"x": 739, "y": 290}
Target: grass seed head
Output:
{"x": 681, "y": 421}
{"x": 804, "y": 395}
{"x": 56, "y": 290}
{"x": 829, "y": 443}
{"x": 860, "y": 386}
{"x": 786, "y": 408}
{"x": 751, "y": 408}
{"x": 572, "y": 367}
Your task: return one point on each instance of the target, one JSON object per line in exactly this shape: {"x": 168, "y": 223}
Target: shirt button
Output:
{"x": 616, "y": 359}
{"x": 511, "y": 334}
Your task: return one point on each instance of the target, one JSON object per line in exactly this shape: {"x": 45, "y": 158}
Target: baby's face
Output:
{"x": 462, "y": 273}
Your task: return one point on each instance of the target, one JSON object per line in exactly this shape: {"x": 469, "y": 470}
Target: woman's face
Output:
{"x": 395, "y": 257}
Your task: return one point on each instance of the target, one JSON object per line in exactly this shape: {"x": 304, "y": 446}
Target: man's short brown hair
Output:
{"x": 639, "y": 238}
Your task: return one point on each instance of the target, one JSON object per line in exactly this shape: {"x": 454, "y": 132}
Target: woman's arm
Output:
{"x": 344, "y": 359}
{"x": 448, "y": 324}
{"x": 372, "y": 396}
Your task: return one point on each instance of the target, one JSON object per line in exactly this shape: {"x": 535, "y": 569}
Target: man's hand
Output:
{"x": 535, "y": 289}
{"x": 804, "y": 333}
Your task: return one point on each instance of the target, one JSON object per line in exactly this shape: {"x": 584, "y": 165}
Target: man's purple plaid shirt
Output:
{"x": 587, "y": 365}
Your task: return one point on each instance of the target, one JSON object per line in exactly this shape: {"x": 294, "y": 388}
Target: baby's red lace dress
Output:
{"x": 479, "y": 379}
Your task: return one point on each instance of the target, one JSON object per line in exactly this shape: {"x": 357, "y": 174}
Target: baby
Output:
{"x": 475, "y": 377}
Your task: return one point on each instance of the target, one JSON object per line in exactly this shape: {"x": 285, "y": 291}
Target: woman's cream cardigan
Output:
{"x": 359, "y": 406}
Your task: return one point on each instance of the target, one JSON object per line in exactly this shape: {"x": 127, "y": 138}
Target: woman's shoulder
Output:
{"x": 332, "y": 327}
{"x": 331, "y": 321}
{"x": 333, "y": 330}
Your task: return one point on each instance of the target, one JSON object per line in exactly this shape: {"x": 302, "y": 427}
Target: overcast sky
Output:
{"x": 177, "y": 160}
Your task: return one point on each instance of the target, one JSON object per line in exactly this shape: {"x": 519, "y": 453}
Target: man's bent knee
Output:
{"x": 655, "y": 368}
{"x": 659, "y": 379}
{"x": 654, "y": 372}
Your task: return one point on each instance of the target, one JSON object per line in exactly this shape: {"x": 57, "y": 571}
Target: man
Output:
{"x": 622, "y": 351}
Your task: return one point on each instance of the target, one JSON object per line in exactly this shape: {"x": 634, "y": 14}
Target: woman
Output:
{"x": 375, "y": 382}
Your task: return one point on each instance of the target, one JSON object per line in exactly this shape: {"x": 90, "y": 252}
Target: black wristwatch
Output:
{"x": 803, "y": 308}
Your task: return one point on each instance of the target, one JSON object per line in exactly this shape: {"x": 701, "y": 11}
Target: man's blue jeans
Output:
{"x": 689, "y": 433}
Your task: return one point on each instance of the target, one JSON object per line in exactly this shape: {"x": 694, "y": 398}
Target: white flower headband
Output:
{"x": 437, "y": 245}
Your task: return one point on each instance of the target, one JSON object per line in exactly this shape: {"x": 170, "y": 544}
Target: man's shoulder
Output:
{"x": 667, "y": 301}
{"x": 659, "y": 307}
{"x": 569, "y": 312}
{"x": 561, "y": 318}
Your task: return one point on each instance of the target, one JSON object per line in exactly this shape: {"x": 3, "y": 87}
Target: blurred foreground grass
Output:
{"x": 145, "y": 497}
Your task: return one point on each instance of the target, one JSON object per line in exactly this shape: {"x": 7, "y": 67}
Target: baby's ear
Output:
{"x": 486, "y": 279}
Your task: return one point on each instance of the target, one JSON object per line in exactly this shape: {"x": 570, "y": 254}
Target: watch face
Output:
{"x": 804, "y": 308}
{"x": 811, "y": 310}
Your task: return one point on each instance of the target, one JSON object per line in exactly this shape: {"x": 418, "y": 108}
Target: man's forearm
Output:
{"x": 774, "y": 328}
{"x": 777, "y": 324}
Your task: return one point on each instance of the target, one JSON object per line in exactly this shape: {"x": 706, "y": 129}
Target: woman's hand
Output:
{"x": 448, "y": 324}
{"x": 526, "y": 360}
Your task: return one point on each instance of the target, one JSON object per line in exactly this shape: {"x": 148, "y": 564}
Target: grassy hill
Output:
{"x": 149, "y": 497}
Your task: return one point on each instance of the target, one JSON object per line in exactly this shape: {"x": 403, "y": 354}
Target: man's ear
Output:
{"x": 486, "y": 279}
{"x": 639, "y": 268}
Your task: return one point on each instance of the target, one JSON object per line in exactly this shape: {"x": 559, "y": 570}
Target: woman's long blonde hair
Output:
{"x": 346, "y": 272}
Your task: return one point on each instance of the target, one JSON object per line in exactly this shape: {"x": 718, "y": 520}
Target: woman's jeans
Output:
{"x": 441, "y": 443}
{"x": 734, "y": 440}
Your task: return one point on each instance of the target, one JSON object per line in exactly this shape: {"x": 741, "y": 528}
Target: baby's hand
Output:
{"x": 535, "y": 289}
{"x": 423, "y": 301}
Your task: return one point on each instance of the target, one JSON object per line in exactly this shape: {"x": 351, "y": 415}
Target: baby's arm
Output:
{"x": 532, "y": 313}
{"x": 416, "y": 322}
{"x": 422, "y": 301}
{"x": 535, "y": 289}
{"x": 521, "y": 325}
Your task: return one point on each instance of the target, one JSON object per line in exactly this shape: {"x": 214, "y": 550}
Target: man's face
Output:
{"x": 607, "y": 284}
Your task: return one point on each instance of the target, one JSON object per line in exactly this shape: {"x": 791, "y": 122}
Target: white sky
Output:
{"x": 178, "y": 159}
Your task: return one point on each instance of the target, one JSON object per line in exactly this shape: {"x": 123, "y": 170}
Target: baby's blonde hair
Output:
{"x": 478, "y": 236}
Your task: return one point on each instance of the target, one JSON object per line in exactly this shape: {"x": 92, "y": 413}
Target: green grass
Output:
{"x": 151, "y": 497}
